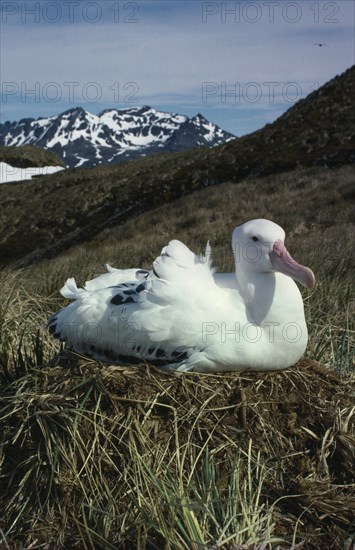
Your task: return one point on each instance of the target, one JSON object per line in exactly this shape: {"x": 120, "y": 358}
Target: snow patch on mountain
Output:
{"x": 113, "y": 136}
{"x": 9, "y": 174}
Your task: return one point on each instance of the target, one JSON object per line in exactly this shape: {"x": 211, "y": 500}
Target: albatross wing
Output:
{"x": 157, "y": 316}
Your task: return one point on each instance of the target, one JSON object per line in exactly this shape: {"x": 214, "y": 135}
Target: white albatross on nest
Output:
{"x": 184, "y": 316}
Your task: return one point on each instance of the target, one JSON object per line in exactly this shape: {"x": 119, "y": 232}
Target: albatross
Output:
{"x": 184, "y": 316}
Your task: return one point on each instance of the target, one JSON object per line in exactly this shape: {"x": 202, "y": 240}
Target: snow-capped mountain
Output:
{"x": 83, "y": 139}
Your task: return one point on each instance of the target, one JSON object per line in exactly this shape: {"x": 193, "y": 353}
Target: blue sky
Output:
{"x": 240, "y": 63}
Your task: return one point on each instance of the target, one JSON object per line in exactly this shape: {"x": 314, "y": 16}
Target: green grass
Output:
{"x": 105, "y": 456}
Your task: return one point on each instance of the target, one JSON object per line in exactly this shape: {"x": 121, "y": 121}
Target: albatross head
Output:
{"x": 259, "y": 247}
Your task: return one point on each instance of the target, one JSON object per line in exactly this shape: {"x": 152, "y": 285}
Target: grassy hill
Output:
{"x": 108, "y": 456}
{"x": 104, "y": 456}
{"x": 28, "y": 156}
{"x": 74, "y": 205}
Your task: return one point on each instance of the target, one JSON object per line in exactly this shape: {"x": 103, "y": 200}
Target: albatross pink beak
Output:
{"x": 282, "y": 261}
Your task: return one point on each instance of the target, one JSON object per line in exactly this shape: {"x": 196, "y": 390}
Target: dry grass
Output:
{"x": 101, "y": 456}
{"x": 107, "y": 457}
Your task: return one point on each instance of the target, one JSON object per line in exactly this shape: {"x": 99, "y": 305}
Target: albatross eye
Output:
{"x": 255, "y": 239}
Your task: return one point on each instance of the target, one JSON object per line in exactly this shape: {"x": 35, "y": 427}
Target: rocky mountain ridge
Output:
{"x": 82, "y": 139}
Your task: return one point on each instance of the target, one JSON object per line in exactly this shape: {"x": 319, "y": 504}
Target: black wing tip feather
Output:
{"x": 127, "y": 293}
{"x": 53, "y": 330}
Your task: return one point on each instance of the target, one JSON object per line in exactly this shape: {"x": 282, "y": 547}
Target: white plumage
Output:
{"x": 183, "y": 315}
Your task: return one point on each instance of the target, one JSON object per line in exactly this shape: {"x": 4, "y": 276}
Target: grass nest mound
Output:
{"x": 97, "y": 456}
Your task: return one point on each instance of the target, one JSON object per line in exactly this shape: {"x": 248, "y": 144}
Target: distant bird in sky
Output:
{"x": 319, "y": 44}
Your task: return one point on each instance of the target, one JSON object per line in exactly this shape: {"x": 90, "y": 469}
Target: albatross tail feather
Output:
{"x": 71, "y": 291}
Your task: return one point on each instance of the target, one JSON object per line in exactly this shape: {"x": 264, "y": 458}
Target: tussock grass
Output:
{"x": 107, "y": 457}
{"x": 104, "y": 456}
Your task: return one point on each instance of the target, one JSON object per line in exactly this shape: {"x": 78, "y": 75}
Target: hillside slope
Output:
{"x": 129, "y": 457}
{"x": 28, "y": 156}
{"x": 57, "y": 211}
